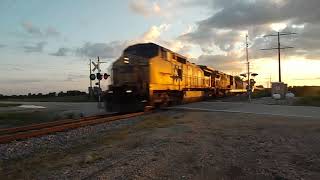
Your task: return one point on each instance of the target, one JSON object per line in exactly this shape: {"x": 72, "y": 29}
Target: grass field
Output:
{"x": 21, "y": 118}
{"x": 309, "y": 101}
{"x": 9, "y": 105}
{"x": 13, "y": 119}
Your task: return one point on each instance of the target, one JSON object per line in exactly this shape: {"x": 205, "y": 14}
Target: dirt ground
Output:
{"x": 185, "y": 145}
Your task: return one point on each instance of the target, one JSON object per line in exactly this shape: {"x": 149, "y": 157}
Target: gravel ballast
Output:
{"x": 173, "y": 145}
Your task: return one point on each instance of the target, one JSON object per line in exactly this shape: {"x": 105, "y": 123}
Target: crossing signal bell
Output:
{"x": 99, "y": 76}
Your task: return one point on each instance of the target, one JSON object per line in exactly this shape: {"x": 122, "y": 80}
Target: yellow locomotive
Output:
{"x": 150, "y": 75}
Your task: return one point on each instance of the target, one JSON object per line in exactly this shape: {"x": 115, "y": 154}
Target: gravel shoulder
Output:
{"x": 173, "y": 145}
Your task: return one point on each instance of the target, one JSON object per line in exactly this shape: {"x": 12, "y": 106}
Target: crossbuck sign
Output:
{"x": 96, "y": 67}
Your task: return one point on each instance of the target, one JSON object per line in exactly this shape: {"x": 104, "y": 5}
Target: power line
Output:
{"x": 279, "y": 48}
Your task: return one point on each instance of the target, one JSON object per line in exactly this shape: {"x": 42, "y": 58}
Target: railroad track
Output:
{"x": 25, "y": 132}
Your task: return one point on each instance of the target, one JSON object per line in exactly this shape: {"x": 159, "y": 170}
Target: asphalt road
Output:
{"x": 259, "y": 109}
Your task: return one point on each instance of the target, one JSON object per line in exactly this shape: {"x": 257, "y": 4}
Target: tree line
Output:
{"x": 50, "y": 94}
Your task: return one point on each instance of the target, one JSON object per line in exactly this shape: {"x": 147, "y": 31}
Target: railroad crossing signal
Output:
{"x": 105, "y": 76}
{"x": 96, "y": 66}
{"x": 99, "y": 76}
{"x": 92, "y": 77}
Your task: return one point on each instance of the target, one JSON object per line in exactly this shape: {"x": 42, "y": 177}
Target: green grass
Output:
{"x": 309, "y": 101}
{"x": 9, "y": 105}
{"x": 12, "y": 119}
{"x": 261, "y": 93}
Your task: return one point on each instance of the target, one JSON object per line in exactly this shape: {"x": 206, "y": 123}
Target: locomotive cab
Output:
{"x": 130, "y": 79}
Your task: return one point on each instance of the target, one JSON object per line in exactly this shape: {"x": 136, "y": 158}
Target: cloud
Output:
{"x": 3, "y": 45}
{"x": 51, "y": 31}
{"x": 34, "y": 30}
{"x": 75, "y": 77}
{"x": 225, "y": 63}
{"x": 241, "y": 14}
{"x": 114, "y": 49}
{"x": 61, "y": 52}
{"x": 153, "y": 34}
{"x": 303, "y": 79}
{"x": 144, "y": 7}
{"x": 244, "y": 13}
{"x": 31, "y": 28}
{"x": 139, "y": 7}
{"x": 225, "y": 40}
{"x": 21, "y": 81}
{"x": 103, "y": 50}
{"x": 38, "y": 47}
{"x": 224, "y": 30}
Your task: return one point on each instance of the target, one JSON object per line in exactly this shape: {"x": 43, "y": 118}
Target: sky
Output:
{"x": 45, "y": 46}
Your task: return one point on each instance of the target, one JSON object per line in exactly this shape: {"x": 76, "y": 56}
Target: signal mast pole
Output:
{"x": 90, "y": 73}
{"x": 99, "y": 70}
{"x": 99, "y": 95}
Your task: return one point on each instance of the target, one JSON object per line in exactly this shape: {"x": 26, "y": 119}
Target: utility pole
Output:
{"x": 98, "y": 76}
{"x": 279, "y": 47}
{"x": 248, "y": 69}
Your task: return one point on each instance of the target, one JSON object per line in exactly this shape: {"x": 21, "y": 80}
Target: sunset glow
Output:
{"x": 278, "y": 26}
{"x": 51, "y": 52}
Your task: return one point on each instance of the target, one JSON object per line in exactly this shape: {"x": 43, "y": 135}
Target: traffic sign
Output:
{"x": 96, "y": 67}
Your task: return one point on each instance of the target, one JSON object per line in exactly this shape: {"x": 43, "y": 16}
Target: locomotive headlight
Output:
{"x": 110, "y": 92}
{"x": 126, "y": 60}
{"x": 128, "y": 91}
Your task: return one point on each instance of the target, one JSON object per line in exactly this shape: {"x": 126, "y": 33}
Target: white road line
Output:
{"x": 233, "y": 111}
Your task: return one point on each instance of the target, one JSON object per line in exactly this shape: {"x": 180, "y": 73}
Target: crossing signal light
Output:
{"x": 92, "y": 77}
{"x": 99, "y": 76}
{"x": 105, "y": 76}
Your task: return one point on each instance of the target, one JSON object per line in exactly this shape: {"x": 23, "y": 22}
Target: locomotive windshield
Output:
{"x": 143, "y": 50}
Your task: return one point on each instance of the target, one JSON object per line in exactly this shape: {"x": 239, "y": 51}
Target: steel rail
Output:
{"x": 34, "y": 130}
{"x": 49, "y": 124}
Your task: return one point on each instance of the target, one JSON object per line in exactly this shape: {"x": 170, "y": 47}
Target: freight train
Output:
{"x": 150, "y": 75}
